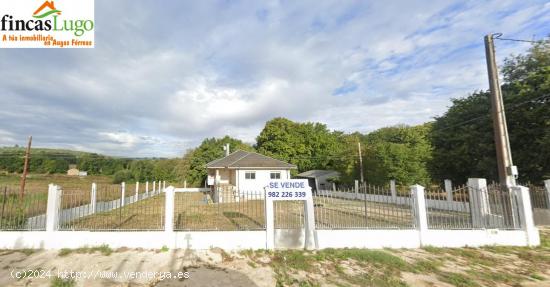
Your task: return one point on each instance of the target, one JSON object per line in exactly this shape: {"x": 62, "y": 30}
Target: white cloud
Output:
{"x": 6, "y": 138}
{"x": 125, "y": 140}
{"x": 163, "y": 77}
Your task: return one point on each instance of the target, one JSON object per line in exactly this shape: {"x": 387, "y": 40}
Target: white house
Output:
{"x": 246, "y": 171}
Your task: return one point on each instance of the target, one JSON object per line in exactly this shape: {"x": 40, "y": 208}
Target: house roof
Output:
{"x": 318, "y": 173}
{"x": 48, "y": 4}
{"x": 245, "y": 159}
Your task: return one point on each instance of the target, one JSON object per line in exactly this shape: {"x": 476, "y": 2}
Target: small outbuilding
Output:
{"x": 73, "y": 171}
{"x": 319, "y": 179}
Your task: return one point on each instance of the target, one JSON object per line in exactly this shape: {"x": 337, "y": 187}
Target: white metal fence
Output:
{"x": 475, "y": 206}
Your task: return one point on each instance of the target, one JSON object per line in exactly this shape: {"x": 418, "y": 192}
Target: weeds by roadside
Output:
{"x": 464, "y": 267}
{"x": 103, "y": 249}
{"x": 63, "y": 282}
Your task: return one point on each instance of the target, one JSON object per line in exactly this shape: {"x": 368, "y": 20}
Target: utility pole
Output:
{"x": 506, "y": 170}
{"x": 25, "y": 168}
{"x": 360, "y": 161}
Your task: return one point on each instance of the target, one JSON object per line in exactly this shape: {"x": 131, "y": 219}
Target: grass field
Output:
{"x": 15, "y": 210}
{"x": 195, "y": 211}
{"x": 147, "y": 214}
{"x": 40, "y": 182}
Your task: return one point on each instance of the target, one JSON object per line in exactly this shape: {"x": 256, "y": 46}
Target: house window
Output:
{"x": 275, "y": 175}
{"x": 250, "y": 175}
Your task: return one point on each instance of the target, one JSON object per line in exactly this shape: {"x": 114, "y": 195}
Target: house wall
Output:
{"x": 323, "y": 182}
{"x": 225, "y": 175}
{"x": 262, "y": 178}
{"x": 233, "y": 177}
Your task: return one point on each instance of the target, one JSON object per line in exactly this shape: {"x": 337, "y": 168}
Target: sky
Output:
{"x": 164, "y": 75}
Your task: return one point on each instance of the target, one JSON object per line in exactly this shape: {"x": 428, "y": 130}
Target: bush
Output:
{"x": 122, "y": 176}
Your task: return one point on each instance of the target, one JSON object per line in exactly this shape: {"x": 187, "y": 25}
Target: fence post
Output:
{"x": 449, "y": 189}
{"x": 479, "y": 201}
{"x": 185, "y": 184}
{"x": 356, "y": 189}
{"x": 52, "y": 209}
{"x": 123, "y": 186}
{"x": 154, "y": 187}
{"x": 526, "y": 215}
{"x": 147, "y": 189}
{"x": 93, "y": 198}
{"x": 420, "y": 213}
{"x": 136, "y": 198}
{"x": 547, "y": 188}
{"x": 169, "y": 210}
{"x": 393, "y": 189}
{"x": 164, "y": 186}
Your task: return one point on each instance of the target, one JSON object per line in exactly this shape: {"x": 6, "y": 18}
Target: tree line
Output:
{"x": 55, "y": 161}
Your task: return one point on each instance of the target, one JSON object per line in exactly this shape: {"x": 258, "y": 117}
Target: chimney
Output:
{"x": 226, "y": 148}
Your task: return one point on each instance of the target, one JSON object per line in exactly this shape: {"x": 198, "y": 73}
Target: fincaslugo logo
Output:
{"x": 59, "y": 24}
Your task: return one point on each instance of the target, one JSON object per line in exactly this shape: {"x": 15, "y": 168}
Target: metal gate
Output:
{"x": 289, "y": 224}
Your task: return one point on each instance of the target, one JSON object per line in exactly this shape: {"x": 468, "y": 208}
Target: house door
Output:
{"x": 311, "y": 182}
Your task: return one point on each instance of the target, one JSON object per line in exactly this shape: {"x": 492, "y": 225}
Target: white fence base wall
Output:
{"x": 475, "y": 238}
{"x": 230, "y": 240}
{"x": 375, "y": 239}
{"x": 238, "y": 240}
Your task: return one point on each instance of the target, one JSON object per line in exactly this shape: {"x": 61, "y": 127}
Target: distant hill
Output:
{"x": 57, "y": 161}
{"x": 42, "y": 151}
{"x": 49, "y": 160}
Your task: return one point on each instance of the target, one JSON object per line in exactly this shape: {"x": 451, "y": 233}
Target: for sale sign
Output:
{"x": 290, "y": 189}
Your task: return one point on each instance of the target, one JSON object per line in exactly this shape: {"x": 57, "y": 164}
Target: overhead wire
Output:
{"x": 499, "y": 37}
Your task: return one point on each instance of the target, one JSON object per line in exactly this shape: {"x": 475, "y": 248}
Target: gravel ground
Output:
{"x": 101, "y": 266}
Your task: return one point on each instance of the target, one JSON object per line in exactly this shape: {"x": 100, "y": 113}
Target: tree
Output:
{"x": 307, "y": 145}
{"x": 142, "y": 170}
{"x": 400, "y": 152}
{"x": 346, "y": 160}
{"x": 123, "y": 175}
{"x": 52, "y": 166}
{"x": 165, "y": 169}
{"x": 463, "y": 137}
{"x": 91, "y": 163}
{"x": 464, "y": 147}
{"x": 192, "y": 167}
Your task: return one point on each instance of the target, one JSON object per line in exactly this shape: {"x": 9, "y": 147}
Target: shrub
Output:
{"x": 122, "y": 176}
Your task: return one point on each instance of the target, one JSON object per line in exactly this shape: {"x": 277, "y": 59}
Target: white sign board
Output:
{"x": 290, "y": 189}
{"x": 210, "y": 180}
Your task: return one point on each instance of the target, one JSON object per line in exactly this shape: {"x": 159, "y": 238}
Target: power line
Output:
{"x": 486, "y": 115}
{"x": 498, "y": 36}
